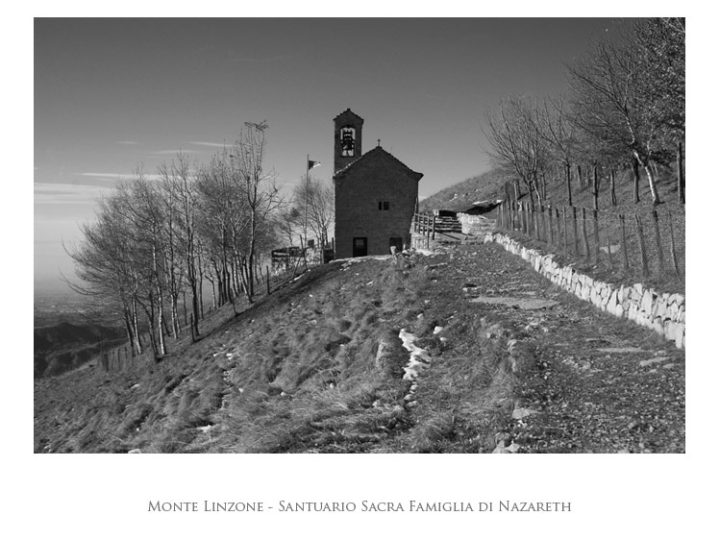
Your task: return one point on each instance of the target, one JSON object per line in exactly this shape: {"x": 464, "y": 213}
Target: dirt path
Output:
{"x": 587, "y": 381}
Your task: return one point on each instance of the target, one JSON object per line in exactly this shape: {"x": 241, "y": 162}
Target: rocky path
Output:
{"x": 585, "y": 381}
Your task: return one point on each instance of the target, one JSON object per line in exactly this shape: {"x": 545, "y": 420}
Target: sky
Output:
{"x": 112, "y": 95}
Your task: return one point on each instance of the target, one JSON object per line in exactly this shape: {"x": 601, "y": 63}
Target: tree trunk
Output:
{"x": 160, "y": 334}
{"x": 651, "y": 178}
{"x": 613, "y": 197}
{"x": 137, "y": 345}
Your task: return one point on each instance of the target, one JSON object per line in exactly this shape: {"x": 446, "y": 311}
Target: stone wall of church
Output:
{"x": 357, "y": 194}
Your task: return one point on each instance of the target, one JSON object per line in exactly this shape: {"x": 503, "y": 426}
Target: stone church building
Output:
{"x": 375, "y": 194}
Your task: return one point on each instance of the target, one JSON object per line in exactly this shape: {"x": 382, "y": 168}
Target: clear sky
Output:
{"x": 112, "y": 94}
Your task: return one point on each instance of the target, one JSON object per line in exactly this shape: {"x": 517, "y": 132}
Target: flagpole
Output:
{"x": 307, "y": 187}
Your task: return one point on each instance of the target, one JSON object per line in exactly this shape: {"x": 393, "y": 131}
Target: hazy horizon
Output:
{"x": 115, "y": 94}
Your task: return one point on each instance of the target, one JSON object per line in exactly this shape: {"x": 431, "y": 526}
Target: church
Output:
{"x": 375, "y": 194}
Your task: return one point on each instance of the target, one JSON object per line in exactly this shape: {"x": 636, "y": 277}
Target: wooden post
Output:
{"x": 564, "y": 218}
{"x": 658, "y": 242}
{"x": 557, "y": 221}
{"x": 636, "y": 181}
{"x": 641, "y": 243}
{"x": 575, "y": 231}
{"x": 595, "y": 188}
{"x": 267, "y": 279}
{"x": 610, "y": 259}
{"x": 586, "y": 244}
{"x": 680, "y": 173}
{"x": 596, "y": 238}
{"x": 550, "y": 224}
{"x": 673, "y": 252}
{"x": 433, "y": 227}
{"x": 533, "y": 213}
{"x": 626, "y": 262}
{"x": 528, "y": 227}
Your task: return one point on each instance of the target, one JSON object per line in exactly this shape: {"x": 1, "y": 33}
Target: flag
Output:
{"x": 312, "y": 164}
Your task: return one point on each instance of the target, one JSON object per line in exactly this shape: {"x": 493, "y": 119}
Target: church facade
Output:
{"x": 375, "y": 194}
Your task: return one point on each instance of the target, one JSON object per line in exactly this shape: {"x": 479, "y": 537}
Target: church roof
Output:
{"x": 378, "y": 153}
{"x": 348, "y": 115}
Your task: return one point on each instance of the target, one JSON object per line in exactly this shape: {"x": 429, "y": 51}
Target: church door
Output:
{"x": 360, "y": 246}
{"x": 397, "y": 242}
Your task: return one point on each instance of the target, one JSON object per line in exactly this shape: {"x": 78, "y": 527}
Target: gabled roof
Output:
{"x": 348, "y": 115}
{"x": 378, "y": 153}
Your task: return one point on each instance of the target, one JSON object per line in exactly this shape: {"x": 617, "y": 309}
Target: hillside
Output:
{"x": 486, "y": 186}
{"x": 490, "y": 185}
{"x": 326, "y": 365}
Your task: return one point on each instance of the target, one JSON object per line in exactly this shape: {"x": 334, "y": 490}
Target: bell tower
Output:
{"x": 348, "y": 138}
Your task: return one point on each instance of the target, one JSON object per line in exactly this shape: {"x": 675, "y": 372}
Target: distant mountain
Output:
{"x": 64, "y": 346}
{"x": 462, "y": 195}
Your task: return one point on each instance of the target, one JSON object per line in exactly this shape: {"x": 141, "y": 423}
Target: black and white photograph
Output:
{"x": 419, "y": 248}
{"x": 330, "y": 274}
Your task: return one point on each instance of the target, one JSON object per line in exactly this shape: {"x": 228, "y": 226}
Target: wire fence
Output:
{"x": 649, "y": 245}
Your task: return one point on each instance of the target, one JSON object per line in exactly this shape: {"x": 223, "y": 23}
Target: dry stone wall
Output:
{"x": 662, "y": 312}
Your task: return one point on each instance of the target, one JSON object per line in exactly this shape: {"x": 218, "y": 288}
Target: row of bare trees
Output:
{"x": 310, "y": 212}
{"x": 156, "y": 242}
{"x": 625, "y": 110}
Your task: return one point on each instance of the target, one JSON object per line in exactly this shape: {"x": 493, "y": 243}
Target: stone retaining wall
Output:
{"x": 662, "y": 312}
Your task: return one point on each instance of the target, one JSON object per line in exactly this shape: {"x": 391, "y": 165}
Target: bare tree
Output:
{"x": 517, "y": 144}
{"x": 315, "y": 205}
{"x": 611, "y": 107}
{"x": 558, "y": 131}
{"x": 261, "y": 194}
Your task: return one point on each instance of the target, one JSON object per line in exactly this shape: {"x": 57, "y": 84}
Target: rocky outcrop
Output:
{"x": 662, "y": 312}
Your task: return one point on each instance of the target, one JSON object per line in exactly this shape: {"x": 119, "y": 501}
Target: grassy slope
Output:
{"x": 462, "y": 195}
{"x": 298, "y": 372}
{"x": 317, "y": 367}
{"x": 489, "y": 186}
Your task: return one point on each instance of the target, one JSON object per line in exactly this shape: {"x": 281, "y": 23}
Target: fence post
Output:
{"x": 550, "y": 224}
{"x": 596, "y": 238}
{"x": 557, "y": 221}
{"x": 626, "y": 262}
{"x": 658, "y": 242}
{"x": 680, "y": 174}
{"x": 609, "y": 248}
{"x": 528, "y": 224}
{"x": 575, "y": 231}
{"x": 673, "y": 252}
{"x": 564, "y": 218}
{"x": 267, "y": 279}
{"x": 586, "y": 244}
{"x": 433, "y": 227}
{"x": 641, "y": 242}
{"x": 534, "y": 221}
